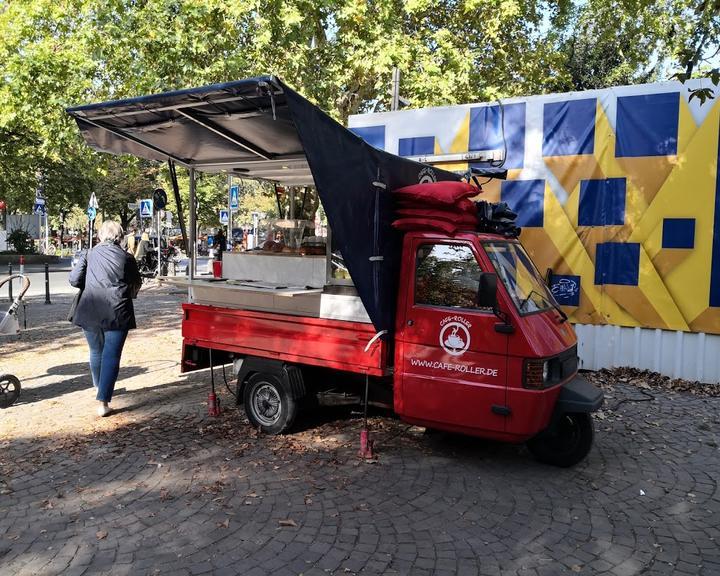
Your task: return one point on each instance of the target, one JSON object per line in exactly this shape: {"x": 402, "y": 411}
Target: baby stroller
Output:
{"x": 9, "y": 326}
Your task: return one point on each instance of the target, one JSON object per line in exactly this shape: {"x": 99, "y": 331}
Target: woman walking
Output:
{"x": 108, "y": 278}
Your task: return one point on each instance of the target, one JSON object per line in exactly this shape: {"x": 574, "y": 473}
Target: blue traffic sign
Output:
{"x": 234, "y": 190}
{"x": 146, "y": 208}
{"x": 39, "y": 208}
{"x": 91, "y": 213}
{"x": 224, "y": 219}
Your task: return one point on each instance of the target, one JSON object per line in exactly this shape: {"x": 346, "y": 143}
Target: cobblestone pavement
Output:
{"x": 161, "y": 488}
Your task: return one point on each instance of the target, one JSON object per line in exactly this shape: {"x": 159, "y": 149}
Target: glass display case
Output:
{"x": 284, "y": 235}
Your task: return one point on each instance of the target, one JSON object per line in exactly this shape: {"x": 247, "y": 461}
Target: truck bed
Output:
{"x": 336, "y": 344}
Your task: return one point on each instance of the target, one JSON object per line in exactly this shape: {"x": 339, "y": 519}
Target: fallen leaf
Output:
{"x": 224, "y": 524}
{"x": 101, "y": 534}
{"x": 288, "y": 522}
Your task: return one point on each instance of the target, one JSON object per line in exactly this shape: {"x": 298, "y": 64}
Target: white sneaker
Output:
{"x": 103, "y": 410}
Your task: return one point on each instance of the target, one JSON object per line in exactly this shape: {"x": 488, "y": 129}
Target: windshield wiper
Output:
{"x": 555, "y": 306}
{"x": 527, "y": 299}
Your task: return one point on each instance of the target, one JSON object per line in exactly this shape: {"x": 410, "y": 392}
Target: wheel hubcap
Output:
{"x": 266, "y": 404}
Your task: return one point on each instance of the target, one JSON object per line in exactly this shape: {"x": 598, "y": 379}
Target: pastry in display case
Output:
{"x": 313, "y": 246}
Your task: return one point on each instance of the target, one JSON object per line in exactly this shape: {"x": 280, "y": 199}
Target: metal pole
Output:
{"x": 10, "y": 297}
{"x": 395, "y": 104}
{"x": 47, "y": 284}
{"x": 47, "y": 232}
{"x": 365, "y": 404}
{"x": 193, "y": 227}
{"x": 228, "y": 236}
{"x": 212, "y": 372}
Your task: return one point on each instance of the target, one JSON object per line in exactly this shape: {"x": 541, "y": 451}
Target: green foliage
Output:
{"x": 338, "y": 53}
{"x": 21, "y": 241}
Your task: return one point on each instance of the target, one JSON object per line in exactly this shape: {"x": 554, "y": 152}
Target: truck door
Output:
{"x": 453, "y": 362}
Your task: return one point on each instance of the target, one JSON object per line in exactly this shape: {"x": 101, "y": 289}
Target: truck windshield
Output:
{"x": 520, "y": 277}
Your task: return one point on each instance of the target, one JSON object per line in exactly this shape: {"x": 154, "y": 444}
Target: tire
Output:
{"x": 9, "y": 390}
{"x": 268, "y": 403}
{"x": 566, "y": 443}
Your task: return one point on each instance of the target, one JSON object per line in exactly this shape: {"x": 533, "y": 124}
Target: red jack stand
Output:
{"x": 213, "y": 400}
{"x": 213, "y": 405}
{"x": 366, "y": 445}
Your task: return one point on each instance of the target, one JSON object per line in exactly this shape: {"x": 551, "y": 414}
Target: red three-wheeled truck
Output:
{"x": 446, "y": 321}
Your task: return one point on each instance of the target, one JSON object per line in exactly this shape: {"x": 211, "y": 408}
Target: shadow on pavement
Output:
{"x": 81, "y": 381}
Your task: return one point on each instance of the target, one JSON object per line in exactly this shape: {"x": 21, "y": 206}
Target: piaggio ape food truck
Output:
{"x": 444, "y": 319}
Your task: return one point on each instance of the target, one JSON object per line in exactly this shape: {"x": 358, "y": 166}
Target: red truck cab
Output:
{"x": 481, "y": 347}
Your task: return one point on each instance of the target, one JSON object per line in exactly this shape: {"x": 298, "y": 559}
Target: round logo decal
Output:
{"x": 454, "y": 338}
{"x": 426, "y": 176}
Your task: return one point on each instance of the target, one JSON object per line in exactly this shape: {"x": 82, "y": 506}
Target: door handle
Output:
{"x": 410, "y": 322}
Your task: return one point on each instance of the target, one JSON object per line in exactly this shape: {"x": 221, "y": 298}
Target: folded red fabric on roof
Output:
{"x": 407, "y": 224}
{"x": 462, "y": 205}
{"x": 456, "y": 217}
{"x": 446, "y": 193}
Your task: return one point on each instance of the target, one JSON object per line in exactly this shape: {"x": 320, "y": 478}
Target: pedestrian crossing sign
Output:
{"x": 146, "y": 208}
{"x": 234, "y": 197}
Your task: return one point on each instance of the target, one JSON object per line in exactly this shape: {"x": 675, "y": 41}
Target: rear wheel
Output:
{"x": 9, "y": 390}
{"x": 268, "y": 404}
{"x": 566, "y": 443}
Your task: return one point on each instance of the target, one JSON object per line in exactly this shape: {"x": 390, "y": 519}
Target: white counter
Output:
{"x": 258, "y": 296}
{"x": 281, "y": 269}
{"x": 266, "y": 297}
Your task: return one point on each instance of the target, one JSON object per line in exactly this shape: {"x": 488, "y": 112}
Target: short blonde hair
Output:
{"x": 111, "y": 231}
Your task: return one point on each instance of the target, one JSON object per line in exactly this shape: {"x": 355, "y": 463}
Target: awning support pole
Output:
{"x": 178, "y": 203}
{"x": 193, "y": 227}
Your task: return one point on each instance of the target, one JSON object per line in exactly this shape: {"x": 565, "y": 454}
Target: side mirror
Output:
{"x": 487, "y": 291}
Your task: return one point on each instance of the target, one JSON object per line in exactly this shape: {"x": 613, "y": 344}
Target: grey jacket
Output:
{"x": 109, "y": 279}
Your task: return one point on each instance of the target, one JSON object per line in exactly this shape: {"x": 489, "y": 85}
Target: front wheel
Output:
{"x": 268, "y": 404}
{"x": 566, "y": 442}
{"x": 9, "y": 390}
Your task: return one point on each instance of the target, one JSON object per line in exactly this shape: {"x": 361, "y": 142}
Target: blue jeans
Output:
{"x": 105, "y": 350}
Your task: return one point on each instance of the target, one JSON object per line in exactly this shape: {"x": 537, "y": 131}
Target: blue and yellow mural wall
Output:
{"x": 617, "y": 191}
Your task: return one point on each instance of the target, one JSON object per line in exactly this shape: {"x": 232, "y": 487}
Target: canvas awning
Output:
{"x": 241, "y": 127}
{"x": 260, "y": 128}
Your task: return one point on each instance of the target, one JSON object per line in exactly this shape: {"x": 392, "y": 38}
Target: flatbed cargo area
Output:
{"x": 336, "y": 344}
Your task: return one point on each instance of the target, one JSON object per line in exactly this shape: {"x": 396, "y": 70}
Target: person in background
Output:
{"x": 109, "y": 279}
{"x": 220, "y": 244}
{"x": 142, "y": 247}
{"x": 130, "y": 241}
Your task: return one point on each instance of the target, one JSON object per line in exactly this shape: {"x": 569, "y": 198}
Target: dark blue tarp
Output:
{"x": 260, "y": 128}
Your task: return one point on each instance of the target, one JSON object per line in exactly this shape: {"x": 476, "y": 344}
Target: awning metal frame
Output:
{"x": 237, "y": 140}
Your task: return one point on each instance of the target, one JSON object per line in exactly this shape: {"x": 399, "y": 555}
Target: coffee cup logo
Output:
{"x": 454, "y": 338}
